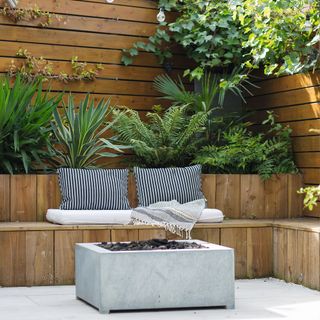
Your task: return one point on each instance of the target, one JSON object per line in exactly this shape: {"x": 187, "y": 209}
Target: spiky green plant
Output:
{"x": 210, "y": 96}
{"x": 165, "y": 140}
{"x": 25, "y": 115}
{"x": 80, "y": 134}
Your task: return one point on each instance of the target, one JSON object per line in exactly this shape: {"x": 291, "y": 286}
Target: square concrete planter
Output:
{"x": 133, "y": 280}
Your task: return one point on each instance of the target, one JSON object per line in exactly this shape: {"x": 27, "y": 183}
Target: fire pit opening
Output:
{"x": 154, "y": 244}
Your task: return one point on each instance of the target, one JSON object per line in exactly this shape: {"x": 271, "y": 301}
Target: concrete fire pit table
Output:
{"x": 155, "y": 279}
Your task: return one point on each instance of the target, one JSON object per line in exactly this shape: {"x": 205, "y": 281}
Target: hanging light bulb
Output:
{"x": 161, "y": 17}
{"x": 109, "y": 1}
{"x": 308, "y": 25}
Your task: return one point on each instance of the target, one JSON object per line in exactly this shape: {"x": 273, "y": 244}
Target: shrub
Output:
{"x": 25, "y": 114}
{"x": 165, "y": 140}
{"x": 240, "y": 151}
{"x": 79, "y": 134}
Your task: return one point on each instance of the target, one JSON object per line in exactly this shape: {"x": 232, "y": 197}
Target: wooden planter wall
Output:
{"x": 295, "y": 100}
{"x": 27, "y": 197}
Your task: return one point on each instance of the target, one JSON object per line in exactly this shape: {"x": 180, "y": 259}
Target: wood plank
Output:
{"x": 23, "y": 196}
{"x": 311, "y": 175}
{"x": 303, "y": 144}
{"x": 12, "y": 259}
{"x": 116, "y": 72}
{"x": 252, "y": 197}
{"x": 39, "y": 258}
{"x": 64, "y": 245}
{"x": 132, "y": 191}
{"x": 90, "y": 55}
{"x": 236, "y": 238}
{"x": 4, "y": 197}
{"x": 311, "y": 263}
{"x": 295, "y": 200}
{"x": 315, "y": 212}
{"x": 228, "y": 195}
{"x": 291, "y": 272}
{"x": 259, "y": 252}
{"x": 96, "y": 236}
{"x": 276, "y": 196}
{"x": 308, "y": 159}
{"x": 124, "y": 235}
{"x": 279, "y": 252}
{"x": 80, "y": 23}
{"x": 93, "y": 9}
{"x": 133, "y": 3}
{"x": 209, "y": 235}
{"x": 152, "y": 234}
{"x": 299, "y": 96}
{"x": 285, "y": 83}
{"x": 209, "y": 189}
{"x": 48, "y": 194}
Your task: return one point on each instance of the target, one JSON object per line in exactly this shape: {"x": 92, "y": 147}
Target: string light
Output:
{"x": 161, "y": 17}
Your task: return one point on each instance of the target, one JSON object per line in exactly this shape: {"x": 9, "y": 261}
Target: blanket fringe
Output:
{"x": 183, "y": 232}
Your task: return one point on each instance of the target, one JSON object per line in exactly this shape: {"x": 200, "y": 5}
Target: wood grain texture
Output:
{"x": 12, "y": 259}
{"x": 295, "y": 200}
{"x": 124, "y": 235}
{"x": 48, "y": 195}
{"x": 228, "y": 195}
{"x": 209, "y": 235}
{"x": 64, "y": 255}
{"x": 4, "y": 198}
{"x": 236, "y": 238}
{"x": 259, "y": 252}
{"x": 23, "y": 198}
{"x": 96, "y": 236}
{"x": 209, "y": 189}
{"x": 152, "y": 234}
{"x": 252, "y": 197}
{"x": 39, "y": 258}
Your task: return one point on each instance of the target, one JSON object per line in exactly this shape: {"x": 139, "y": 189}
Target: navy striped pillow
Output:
{"x": 94, "y": 189}
{"x": 166, "y": 184}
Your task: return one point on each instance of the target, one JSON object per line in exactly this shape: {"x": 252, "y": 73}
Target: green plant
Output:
{"x": 79, "y": 134}
{"x": 281, "y": 36}
{"x": 312, "y": 194}
{"x": 25, "y": 114}
{"x": 208, "y": 98}
{"x": 35, "y": 13}
{"x": 164, "y": 140}
{"x": 39, "y": 68}
{"x": 240, "y": 151}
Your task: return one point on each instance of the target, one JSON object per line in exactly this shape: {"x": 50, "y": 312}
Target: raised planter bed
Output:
{"x": 27, "y": 197}
{"x": 155, "y": 279}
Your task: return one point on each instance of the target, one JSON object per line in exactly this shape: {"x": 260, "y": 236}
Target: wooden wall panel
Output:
{"x": 48, "y": 195}
{"x": 64, "y": 255}
{"x": 39, "y": 258}
{"x": 12, "y": 259}
{"x": 4, "y": 198}
{"x": 23, "y": 197}
{"x": 295, "y": 100}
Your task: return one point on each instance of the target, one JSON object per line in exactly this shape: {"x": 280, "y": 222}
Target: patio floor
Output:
{"x": 255, "y": 299}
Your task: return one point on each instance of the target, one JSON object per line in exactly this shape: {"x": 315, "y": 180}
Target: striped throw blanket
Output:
{"x": 173, "y": 216}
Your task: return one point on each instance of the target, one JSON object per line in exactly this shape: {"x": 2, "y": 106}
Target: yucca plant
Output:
{"x": 80, "y": 134}
{"x": 25, "y": 115}
{"x": 167, "y": 140}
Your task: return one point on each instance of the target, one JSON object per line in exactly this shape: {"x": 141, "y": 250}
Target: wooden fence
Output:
{"x": 295, "y": 100}
{"x": 27, "y": 197}
{"x": 95, "y": 32}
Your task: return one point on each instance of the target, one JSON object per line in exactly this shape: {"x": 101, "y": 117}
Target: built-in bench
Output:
{"x": 40, "y": 253}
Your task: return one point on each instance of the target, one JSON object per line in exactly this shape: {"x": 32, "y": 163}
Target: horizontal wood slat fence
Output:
{"x": 96, "y": 32}
{"x": 295, "y": 100}
{"x": 27, "y": 197}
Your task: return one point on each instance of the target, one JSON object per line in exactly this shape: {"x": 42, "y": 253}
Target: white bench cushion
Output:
{"x": 121, "y": 217}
